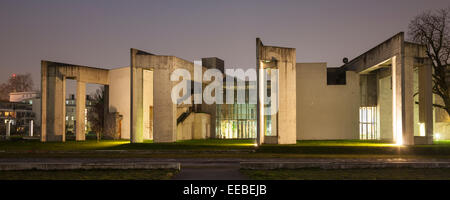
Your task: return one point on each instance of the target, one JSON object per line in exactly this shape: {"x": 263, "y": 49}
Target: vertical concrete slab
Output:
{"x": 408, "y": 100}
{"x": 397, "y": 100}
{"x": 119, "y": 98}
{"x": 426, "y": 100}
{"x": 62, "y": 116}
{"x": 43, "y": 109}
{"x": 403, "y": 108}
{"x": 137, "y": 126}
{"x": 54, "y": 105}
{"x": 165, "y": 112}
{"x": 259, "y": 93}
{"x": 287, "y": 120}
{"x": 147, "y": 104}
{"x": 285, "y": 61}
{"x": 325, "y": 111}
{"x": 80, "y": 111}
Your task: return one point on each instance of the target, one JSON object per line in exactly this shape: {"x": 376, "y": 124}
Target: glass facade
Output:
{"x": 236, "y": 121}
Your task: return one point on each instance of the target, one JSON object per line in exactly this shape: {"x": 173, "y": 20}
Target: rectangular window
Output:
{"x": 234, "y": 121}
{"x": 368, "y": 123}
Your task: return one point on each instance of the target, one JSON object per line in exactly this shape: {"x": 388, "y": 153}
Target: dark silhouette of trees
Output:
{"x": 95, "y": 114}
{"x": 16, "y": 83}
{"x": 431, "y": 29}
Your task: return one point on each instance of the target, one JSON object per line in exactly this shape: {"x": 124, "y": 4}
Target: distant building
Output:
{"x": 24, "y": 96}
{"x": 25, "y": 106}
{"x": 18, "y": 114}
{"x": 71, "y": 114}
{"x": 32, "y": 98}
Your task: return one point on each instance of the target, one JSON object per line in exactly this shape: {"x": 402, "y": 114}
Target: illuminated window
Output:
{"x": 368, "y": 123}
{"x": 236, "y": 121}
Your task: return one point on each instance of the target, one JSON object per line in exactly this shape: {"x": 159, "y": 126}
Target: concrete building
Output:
{"x": 15, "y": 118}
{"x": 32, "y": 102}
{"x": 382, "y": 94}
{"x": 24, "y": 97}
{"x": 71, "y": 110}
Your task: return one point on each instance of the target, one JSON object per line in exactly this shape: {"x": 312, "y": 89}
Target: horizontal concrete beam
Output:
{"x": 86, "y": 166}
{"x": 341, "y": 165}
{"x": 82, "y": 73}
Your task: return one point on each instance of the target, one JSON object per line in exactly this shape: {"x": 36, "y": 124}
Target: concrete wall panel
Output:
{"x": 326, "y": 112}
{"x": 119, "y": 99}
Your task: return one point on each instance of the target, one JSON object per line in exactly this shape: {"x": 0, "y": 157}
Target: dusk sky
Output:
{"x": 100, "y": 33}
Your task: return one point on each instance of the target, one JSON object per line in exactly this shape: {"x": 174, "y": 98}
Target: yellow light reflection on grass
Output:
{"x": 347, "y": 143}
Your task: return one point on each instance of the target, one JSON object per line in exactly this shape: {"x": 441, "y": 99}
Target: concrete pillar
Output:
{"x": 165, "y": 112}
{"x": 53, "y": 104}
{"x": 408, "y": 99}
{"x": 283, "y": 59}
{"x": 260, "y": 105}
{"x": 259, "y": 94}
{"x": 137, "y": 111}
{"x": 80, "y": 111}
{"x": 403, "y": 101}
{"x": 8, "y": 129}
{"x": 30, "y": 131}
{"x": 105, "y": 107}
{"x": 426, "y": 101}
{"x": 43, "y": 108}
{"x": 287, "y": 120}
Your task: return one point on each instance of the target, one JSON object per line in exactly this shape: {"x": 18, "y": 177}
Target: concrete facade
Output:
{"x": 326, "y": 111}
{"x": 53, "y": 96}
{"x": 314, "y": 102}
{"x": 165, "y": 113}
{"x": 119, "y": 98}
{"x": 285, "y": 123}
{"x": 401, "y": 58}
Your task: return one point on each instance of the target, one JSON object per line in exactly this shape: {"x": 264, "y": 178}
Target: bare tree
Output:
{"x": 96, "y": 114}
{"x": 16, "y": 83}
{"x": 431, "y": 29}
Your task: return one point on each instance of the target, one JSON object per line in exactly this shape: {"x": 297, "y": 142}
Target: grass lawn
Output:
{"x": 18, "y": 145}
{"x": 350, "y": 174}
{"x": 221, "y": 148}
{"x": 88, "y": 175}
{"x": 358, "y": 147}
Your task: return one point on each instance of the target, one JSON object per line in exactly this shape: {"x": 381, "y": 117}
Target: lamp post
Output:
{"x": 8, "y": 129}
{"x": 31, "y": 129}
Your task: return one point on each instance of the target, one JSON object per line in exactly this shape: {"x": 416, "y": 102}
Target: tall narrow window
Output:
{"x": 368, "y": 123}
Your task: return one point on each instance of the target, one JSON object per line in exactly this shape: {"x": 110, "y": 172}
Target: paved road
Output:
{"x": 210, "y": 168}
{"x": 211, "y": 171}
{"x": 191, "y": 169}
